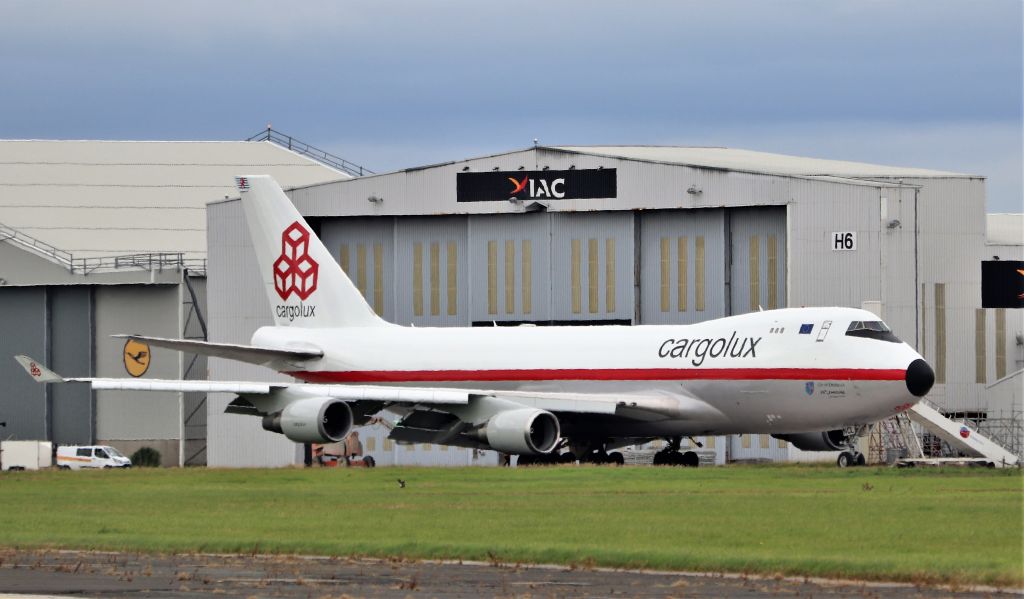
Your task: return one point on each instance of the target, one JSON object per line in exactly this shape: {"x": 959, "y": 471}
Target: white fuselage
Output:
{"x": 754, "y": 373}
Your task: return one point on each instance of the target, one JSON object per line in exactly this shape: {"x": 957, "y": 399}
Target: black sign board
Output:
{"x": 536, "y": 185}
{"x": 1002, "y": 284}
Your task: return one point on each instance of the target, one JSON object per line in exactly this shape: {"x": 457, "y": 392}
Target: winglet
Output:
{"x": 40, "y": 373}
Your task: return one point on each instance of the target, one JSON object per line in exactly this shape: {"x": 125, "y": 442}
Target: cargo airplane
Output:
{"x": 813, "y": 376}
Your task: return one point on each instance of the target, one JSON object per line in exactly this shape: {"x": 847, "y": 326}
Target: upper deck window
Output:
{"x": 872, "y": 329}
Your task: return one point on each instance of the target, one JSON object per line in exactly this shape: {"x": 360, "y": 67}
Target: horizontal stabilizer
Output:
{"x": 264, "y": 356}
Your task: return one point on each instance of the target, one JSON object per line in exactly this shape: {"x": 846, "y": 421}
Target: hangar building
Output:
{"x": 637, "y": 235}
{"x": 104, "y": 237}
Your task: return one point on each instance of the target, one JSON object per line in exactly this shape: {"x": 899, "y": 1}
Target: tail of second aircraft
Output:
{"x": 305, "y": 285}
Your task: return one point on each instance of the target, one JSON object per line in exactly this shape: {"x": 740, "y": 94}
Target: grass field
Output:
{"x": 954, "y": 526}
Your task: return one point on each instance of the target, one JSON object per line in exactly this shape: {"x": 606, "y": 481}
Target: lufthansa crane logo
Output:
{"x": 136, "y": 357}
{"x": 294, "y": 271}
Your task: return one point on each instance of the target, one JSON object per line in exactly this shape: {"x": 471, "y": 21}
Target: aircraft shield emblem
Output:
{"x": 809, "y": 388}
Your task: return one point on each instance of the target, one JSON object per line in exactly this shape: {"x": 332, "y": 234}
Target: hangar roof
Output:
{"x": 757, "y": 162}
{"x": 106, "y": 198}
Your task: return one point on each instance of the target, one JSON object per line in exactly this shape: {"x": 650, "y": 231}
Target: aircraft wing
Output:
{"x": 42, "y": 374}
{"x": 641, "y": 407}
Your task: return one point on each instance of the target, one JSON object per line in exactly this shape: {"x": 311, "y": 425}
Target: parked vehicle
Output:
{"x": 25, "y": 455}
{"x": 75, "y": 457}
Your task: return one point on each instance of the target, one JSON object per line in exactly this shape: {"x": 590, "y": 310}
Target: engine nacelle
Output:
{"x": 312, "y": 420}
{"x": 525, "y": 431}
{"x": 824, "y": 441}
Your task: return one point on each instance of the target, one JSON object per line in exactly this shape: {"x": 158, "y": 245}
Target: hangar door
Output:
{"x": 682, "y": 269}
{"x": 758, "y": 244}
{"x": 364, "y": 247}
{"x": 431, "y": 269}
{"x": 510, "y": 258}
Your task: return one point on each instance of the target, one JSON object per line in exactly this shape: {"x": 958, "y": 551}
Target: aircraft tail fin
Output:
{"x": 37, "y": 371}
{"x": 305, "y": 285}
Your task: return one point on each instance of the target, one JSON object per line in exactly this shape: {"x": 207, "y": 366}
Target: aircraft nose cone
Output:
{"x": 920, "y": 378}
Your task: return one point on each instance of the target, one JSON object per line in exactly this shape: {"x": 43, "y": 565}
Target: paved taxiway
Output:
{"x": 97, "y": 574}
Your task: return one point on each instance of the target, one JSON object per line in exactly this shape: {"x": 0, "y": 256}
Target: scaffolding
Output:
{"x": 893, "y": 439}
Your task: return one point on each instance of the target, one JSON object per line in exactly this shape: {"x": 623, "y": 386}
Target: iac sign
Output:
{"x": 843, "y": 241}
{"x": 539, "y": 188}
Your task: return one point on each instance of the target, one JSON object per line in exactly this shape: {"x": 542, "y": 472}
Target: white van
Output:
{"x": 74, "y": 457}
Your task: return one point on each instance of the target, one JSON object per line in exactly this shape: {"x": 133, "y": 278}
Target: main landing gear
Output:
{"x": 671, "y": 456}
{"x": 850, "y": 457}
{"x": 586, "y": 453}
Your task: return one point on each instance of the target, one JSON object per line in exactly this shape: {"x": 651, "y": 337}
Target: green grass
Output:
{"x": 954, "y": 526}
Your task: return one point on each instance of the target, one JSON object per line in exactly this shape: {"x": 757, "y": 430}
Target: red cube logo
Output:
{"x": 295, "y": 271}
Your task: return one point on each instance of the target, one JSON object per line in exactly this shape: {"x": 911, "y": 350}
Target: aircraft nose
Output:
{"x": 920, "y": 378}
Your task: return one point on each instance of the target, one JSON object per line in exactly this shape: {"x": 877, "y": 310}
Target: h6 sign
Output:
{"x": 844, "y": 241}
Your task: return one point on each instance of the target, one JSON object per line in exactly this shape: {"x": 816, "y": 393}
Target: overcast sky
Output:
{"x": 389, "y": 85}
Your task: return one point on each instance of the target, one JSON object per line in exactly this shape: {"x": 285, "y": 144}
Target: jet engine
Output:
{"x": 312, "y": 420}
{"x": 825, "y": 441}
{"x": 525, "y": 431}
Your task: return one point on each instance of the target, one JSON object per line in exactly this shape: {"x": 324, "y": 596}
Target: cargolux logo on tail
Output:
{"x": 295, "y": 271}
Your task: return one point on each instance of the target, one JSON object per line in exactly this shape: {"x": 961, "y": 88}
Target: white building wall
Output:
{"x": 237, "y": 307}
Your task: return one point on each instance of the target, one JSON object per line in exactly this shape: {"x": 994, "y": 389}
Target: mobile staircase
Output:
{"x": 960, "y": 437}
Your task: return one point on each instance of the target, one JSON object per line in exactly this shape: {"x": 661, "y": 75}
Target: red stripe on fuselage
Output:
{"x": 604, "y": 374}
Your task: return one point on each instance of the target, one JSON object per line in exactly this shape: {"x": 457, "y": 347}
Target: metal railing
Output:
{"x": 322, "y": 156}
{"x": 149, "y": 261}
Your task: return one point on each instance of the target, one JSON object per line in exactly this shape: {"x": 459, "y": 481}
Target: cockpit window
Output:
{"x": 872, "y": 329}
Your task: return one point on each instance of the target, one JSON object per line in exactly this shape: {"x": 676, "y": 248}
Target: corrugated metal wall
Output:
{"x": 237, "y": 441}
{"x": 952, "y": 231}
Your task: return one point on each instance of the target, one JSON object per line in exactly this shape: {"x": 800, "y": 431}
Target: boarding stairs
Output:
{"x": 961, "y": 437}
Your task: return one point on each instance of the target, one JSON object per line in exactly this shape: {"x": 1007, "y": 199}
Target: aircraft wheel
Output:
{"x": 62, "y": 467}
{"x": 844, "y": 459}
{"x": 675, "y": 458}
{"x": 567, "y": 458}
{"x": 616, "y": 458}
{"x": 690, "y": 459}
{"x": 525, "y": 460}
{"x": 369, "y": 461}
{"x": 860, "y": 460}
